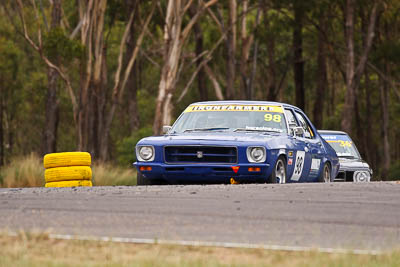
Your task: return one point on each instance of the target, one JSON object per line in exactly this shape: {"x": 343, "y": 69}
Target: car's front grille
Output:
{"x": 344, "y": 176}
{"x": 200, "y": 154}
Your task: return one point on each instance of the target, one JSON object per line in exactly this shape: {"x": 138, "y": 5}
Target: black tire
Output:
{"x": 279, "y": 172}
{"x": 141, "y": 180}
{"x": 325, "y": 176}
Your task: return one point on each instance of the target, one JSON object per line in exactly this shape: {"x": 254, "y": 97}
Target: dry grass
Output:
{"x": 28, "y": 249}
{"x": 28, "y": 171}
{"x": 106, "y": 174}
{"x": 25, "y": 171}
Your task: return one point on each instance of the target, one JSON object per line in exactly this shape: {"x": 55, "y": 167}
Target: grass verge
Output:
{"x": 29, "y": 249}
{"x": 25, "y": 171}
{"x": 28, "y": 171}
{"x": 107, "y": 174}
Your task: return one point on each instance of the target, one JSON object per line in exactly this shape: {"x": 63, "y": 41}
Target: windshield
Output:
{"x": 265, "y": 118}
{"x": 343, "y": 145}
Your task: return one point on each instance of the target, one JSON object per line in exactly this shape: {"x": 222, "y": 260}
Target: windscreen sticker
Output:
{"x": 298, "y": 165}
{"x": 329, "y": 137}
{"x": 262, "y": 108}
{"x": 342, "y": 143}
{"x": 263, "y": 128}
{"x": 271, "y": 117}
{"x": 338, "y": 137}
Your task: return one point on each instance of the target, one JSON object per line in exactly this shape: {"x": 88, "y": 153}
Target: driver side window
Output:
{"x": 303, "y": 123}
{"x": 290, "y": 117}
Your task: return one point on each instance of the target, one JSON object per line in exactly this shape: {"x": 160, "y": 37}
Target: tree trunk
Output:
{"x": 1, "y": 127}
{"x": 52, "y": 114}
{"x": 214, "y": 81}
{"x": 174, "y": 39}
{"x": 201, "y": 75}
{"x": 92, "y": 97}
{"x": 86, "y": 14}
{"x": 353, "y": 75}
{"x": 321, "y": 78}
{"x": 246, "y": 42}
{"x": 255, "y": 57}
{"x": 271, "y": 85}
{"x": 172, "y": 52}
{"x": 231, "y": 50}
{"x": 385, "y": 128}
{"x": 120, "y": 85}
{"x": 347, "y": 117}
{"x": 368, "y": 131}
{"x": 49, "y": 144}
{"x": 298, "y": 61}
{"x": 132, "y": 83}
{"x": 359, "y": 124}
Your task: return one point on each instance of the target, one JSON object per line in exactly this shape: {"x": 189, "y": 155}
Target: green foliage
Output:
{"x": 146, "y": 107}
{"x": 126, "y": 147}
{"x": 394, "y": 172}
{"x": 389, "y": 51}
{"x": 57, "y": 45}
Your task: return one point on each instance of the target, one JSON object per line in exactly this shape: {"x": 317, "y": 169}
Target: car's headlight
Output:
{"x": 256, "y": 154}
{"x": 361, "y": 176}
{"x": 145, "y": 153}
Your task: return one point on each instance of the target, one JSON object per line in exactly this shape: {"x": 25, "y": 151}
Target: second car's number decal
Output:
{"x": 298, "y": 165}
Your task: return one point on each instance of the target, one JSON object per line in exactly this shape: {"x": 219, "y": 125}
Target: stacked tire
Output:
{"x": 68, "y": 169}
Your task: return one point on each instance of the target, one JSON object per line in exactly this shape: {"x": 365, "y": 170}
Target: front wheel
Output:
{"x": 325, "y": 176}
{"x": 279, "y": 172}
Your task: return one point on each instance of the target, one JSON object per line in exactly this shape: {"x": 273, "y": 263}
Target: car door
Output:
{"x": 299, "y": 160}
{"x": 314, "y": 146}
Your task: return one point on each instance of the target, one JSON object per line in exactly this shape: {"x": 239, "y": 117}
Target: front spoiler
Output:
{"x": 204, "y": 173}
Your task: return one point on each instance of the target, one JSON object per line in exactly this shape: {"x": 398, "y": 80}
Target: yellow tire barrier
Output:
{"x": 66, "y": 159}
{"x": 68, "y": 169}
{"x": 68, "y": 173}
{"x": 70, "y": 183}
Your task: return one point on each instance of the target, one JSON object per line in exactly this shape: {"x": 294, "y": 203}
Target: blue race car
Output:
{"x": 352, "y": 167}
{"x": 237, "y": 141}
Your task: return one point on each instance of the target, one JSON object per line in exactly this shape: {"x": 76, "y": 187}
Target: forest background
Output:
{"x": 98, "y": 75}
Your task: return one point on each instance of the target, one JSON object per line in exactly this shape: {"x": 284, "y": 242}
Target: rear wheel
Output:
{"x": 279, "y": 172}
{"x": 325, "y": 176}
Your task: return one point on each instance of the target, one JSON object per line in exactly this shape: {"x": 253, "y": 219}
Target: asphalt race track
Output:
{"x": 337, "y": 215}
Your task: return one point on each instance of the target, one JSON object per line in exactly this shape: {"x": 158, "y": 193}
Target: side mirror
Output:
{"x": 298, "y": 131}
{"x": 166, "y": 129}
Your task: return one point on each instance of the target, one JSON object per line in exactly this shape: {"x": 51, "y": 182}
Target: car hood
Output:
{"x": 215, "y": 136}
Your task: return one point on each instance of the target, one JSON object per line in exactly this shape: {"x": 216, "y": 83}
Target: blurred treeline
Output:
{"x": 96, "y": 75}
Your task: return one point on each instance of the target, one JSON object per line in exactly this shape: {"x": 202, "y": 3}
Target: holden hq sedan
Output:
{"x": 352, "y": 167}
{"x": 237, "y": 142}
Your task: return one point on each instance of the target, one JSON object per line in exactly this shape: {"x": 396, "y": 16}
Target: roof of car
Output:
{"x": 242, "y": 102}
{"x": 332, "y": 132}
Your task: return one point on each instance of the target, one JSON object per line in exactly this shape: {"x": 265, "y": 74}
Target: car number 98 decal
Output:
{"x": 298, "y": 165}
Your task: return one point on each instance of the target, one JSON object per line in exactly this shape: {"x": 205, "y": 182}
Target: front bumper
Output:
{"x": 352, "y": 175}
{"x": 204, "y": 173}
